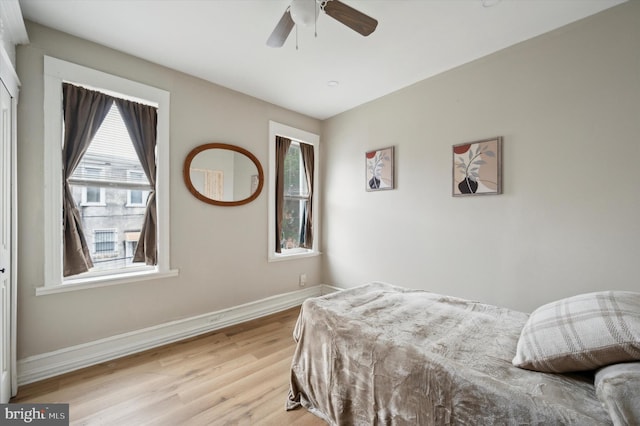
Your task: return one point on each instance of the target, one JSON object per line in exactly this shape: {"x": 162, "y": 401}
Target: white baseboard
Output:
{"x": 50, "y": 364}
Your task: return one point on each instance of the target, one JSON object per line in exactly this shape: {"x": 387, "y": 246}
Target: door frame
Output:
{"x": 9, "y": 79}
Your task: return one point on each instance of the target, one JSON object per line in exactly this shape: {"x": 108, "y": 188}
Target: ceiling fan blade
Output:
{"x": 281, "y": 31}
{"x": 350, "y": 17}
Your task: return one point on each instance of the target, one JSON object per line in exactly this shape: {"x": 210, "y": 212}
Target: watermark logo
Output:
{"x": 34, "y": 414}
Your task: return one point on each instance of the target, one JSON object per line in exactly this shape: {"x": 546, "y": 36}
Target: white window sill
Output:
{"x": 105, "y": 281}
{"x": 278, "y": 257}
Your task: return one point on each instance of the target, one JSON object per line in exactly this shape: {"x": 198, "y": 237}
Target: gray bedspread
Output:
{"x": 380, "y": 354}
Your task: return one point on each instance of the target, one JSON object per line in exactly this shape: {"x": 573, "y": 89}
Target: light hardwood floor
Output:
{"x": 234, "y": 376}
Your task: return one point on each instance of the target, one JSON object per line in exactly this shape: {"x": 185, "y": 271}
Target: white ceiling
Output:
{"x": 224, "y": 41}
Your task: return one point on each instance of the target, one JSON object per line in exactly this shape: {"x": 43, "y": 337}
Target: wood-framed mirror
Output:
{"x": 223, "y": 174}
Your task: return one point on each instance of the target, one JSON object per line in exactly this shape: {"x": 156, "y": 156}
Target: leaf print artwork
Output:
{"x": 476, "y": 167}
{"x": 379, "y": 169}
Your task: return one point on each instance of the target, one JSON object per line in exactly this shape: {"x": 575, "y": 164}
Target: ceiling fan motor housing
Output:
{"x": 304, "y": 12}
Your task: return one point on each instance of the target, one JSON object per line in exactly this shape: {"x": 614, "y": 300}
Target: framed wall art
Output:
{"x": 477, "y": 167}
{"x": 379, "y": 169}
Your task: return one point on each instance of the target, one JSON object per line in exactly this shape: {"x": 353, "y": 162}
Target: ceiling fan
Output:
{"x": 305, "y": 12}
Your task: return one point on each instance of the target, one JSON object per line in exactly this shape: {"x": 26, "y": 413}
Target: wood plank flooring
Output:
{"x": 234, "y": 376}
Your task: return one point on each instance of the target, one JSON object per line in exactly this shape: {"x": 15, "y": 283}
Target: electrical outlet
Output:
{"x": 303, "y": 280}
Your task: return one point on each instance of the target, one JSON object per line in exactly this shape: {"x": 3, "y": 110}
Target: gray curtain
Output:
{"x": 282, "y": 146}
{"x": 141, "y": 121}
{"x": 307, "y": 159}
{"x": 84, "y": 112}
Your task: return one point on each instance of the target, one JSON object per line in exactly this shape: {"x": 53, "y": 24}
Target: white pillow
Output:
{"x": 618, "y": 388}
{"x": 581, "y": 333}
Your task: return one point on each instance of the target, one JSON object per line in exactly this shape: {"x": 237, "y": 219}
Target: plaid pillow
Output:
{"x": 581, "y": 333}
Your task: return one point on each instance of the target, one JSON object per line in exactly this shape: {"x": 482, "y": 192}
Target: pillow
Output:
{"x": 581, "y": 333}
{"x": 617, "y": 387}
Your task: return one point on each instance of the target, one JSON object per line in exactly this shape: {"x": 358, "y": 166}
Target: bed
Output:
{"x": 382, "y": 354}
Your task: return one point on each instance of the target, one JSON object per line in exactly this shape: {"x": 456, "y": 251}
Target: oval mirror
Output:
{"x": 222, "y": 174}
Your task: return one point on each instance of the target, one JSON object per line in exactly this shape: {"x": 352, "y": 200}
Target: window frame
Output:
{"x": 102, "y": 202}
{"x": 56, "y": 72}
{"x": 85, "y": 199}
{"x": 144, "y": 193}
{"x": 111, "y": 231}
{"x": 301, "y": 136}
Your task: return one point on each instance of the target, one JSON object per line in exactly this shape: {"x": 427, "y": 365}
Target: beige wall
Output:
{"x": 568, "y": 106}
{"x": 221, "y": 252}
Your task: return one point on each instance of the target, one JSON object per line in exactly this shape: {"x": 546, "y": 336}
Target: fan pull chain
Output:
{"x": 296, "y": 37}
{"x": 315, "y": 22}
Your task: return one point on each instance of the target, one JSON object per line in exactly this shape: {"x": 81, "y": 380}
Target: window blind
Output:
{"x": 111, "y": 159}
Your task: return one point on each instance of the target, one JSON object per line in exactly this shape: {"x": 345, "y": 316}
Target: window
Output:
{"x": 104, "y": 176}
{"x": 105, "y": 241}
{"x": 91, "y": 195}
{"x": 106, "y": 161}
{"x": 134, "y": 198}
{"x": 131, "y": 241}
{"x": 293, "y": 192}
{"x": 296, "y": 200}
{"x": 137, "y": 197}
{"x": 109, "y": 184}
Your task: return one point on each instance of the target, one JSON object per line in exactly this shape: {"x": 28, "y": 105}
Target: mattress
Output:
{"x": 382, "y": 354}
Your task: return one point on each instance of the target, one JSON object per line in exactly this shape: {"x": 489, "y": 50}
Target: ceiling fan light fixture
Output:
{"x": 304, "y": 12}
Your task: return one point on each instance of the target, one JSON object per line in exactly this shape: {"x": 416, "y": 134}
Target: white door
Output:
{"x": 5, "y": 243}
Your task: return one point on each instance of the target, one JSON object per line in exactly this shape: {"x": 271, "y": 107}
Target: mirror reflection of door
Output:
{"x": 223, "y": 174}
{"x": 209, "y": 183}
